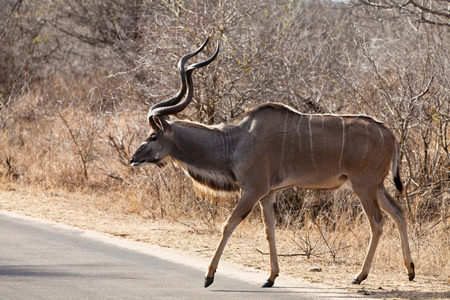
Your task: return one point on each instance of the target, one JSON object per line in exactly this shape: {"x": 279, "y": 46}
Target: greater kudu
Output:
{"x": 272, "y": 148}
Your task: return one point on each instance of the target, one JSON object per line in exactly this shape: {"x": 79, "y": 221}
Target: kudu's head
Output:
{"x": 158, "y": 143}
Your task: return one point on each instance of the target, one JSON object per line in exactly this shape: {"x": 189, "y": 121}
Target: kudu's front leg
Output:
{"x": 268, "y": 213}
{"x": 243, "y": 208}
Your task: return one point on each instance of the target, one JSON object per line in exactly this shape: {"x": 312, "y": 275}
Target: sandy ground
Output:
{"x": 95, "y": 213}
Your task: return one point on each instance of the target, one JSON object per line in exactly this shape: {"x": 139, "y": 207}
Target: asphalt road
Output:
{"x": 40, "y": 260}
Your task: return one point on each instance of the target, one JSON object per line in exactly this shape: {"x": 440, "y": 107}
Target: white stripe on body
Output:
{"x": 311, "y": 143}
{"x": 343, "y": 143}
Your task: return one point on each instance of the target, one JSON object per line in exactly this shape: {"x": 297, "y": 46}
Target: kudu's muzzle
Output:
{"x": 135, "y": 160}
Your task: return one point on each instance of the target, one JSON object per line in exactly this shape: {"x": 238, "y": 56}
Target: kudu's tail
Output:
{"x": 396, "y": 171}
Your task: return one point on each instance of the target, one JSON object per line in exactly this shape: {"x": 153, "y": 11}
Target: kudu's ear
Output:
{"x": 160, "y": 123}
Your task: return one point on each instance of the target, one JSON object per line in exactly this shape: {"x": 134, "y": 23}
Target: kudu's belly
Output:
{"x": 312, "y": 181}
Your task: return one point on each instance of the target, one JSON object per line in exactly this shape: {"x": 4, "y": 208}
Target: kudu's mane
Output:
{"x": 213, "y": 182}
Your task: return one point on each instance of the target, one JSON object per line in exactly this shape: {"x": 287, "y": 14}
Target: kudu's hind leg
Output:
{"x": 268, "y": 212}
{"x": 369, "y": 202}
{"x": 395, "y": 211}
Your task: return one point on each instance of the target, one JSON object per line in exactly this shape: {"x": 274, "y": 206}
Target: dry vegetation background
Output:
{"x": 77, "y": 78}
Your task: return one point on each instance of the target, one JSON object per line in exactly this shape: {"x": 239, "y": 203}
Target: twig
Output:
{"x": 434, "y": 225}
{"x": 118, "y": 177}
{"x": 77, "y": 146}
{"x": 284, "y": 255}
{"x": 187, "y": 225}
{"x": 123, "y": 73}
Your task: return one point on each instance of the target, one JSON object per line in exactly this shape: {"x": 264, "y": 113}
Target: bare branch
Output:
{"x": 435, "y": 13}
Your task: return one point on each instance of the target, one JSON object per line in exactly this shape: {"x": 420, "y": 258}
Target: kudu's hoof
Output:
{"x": 413, "y": 274}
{"x": 209, "y": 281}
{"x": 357, "y": 281}
{"x": 268, "y": 283}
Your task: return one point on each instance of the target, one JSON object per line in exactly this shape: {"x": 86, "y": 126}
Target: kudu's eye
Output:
{"x": 153, "y": 138}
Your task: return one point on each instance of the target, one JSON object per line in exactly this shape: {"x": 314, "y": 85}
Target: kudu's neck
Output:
{"x": 202, "y": 146}
{"x": 205, "y": 154}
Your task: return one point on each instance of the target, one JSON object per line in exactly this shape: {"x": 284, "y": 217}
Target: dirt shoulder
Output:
{"x": 95, "y": 213}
